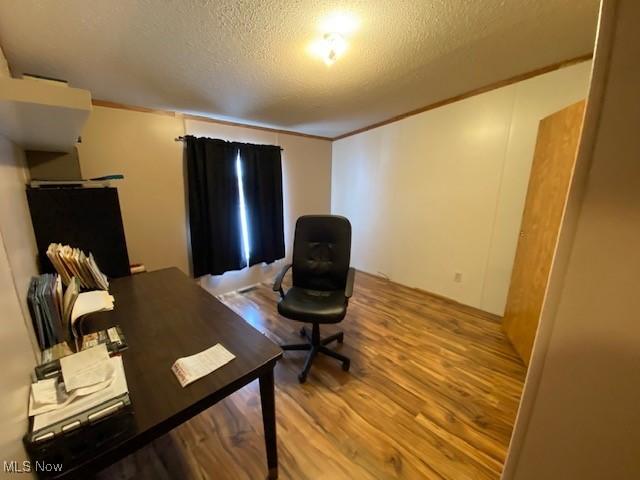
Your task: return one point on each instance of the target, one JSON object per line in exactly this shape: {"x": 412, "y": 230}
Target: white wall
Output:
{"x": 443, "y": 191}
{"x": 306, "y": 189}
{"x": 579, "y": 416}
{"x": 17, "y": 265}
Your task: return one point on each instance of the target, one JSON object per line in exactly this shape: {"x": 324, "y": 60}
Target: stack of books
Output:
{"x": 72, "y": 262}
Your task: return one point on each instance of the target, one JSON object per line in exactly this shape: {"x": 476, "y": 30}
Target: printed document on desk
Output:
{"x": 190, "y": 369}
{"x": 86, "y": 368}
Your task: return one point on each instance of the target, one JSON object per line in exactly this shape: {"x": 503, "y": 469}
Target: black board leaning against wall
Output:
{"x": 86, "y": 218}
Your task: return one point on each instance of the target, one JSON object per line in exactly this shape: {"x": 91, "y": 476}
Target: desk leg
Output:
{"x": 267, "y": 398}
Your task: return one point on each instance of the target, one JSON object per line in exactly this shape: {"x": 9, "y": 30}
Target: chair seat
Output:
{"x": 313, "y": 306}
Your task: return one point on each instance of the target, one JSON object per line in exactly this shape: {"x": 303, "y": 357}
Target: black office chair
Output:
{"x": 322, "y": 283}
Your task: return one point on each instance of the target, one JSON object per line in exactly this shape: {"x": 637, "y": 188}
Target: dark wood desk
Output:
{"x": 165, "y": 315}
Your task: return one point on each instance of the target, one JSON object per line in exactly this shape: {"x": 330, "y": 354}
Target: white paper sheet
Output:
{"x": 190, "y": 369}
{"x": 47, "y": 395}
{"x": 52, "y": 396}
{"x": 89, "y": 302}
{"x": 86, "y": 368}
{"x": 45, "y": 391}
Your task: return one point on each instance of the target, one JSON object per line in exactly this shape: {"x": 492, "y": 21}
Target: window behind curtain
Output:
{"x": 235, "y": 204}
{"x": 214, "y": 210}
{"x": 262, "y": 185}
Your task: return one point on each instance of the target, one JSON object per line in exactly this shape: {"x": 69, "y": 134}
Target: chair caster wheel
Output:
{"x": 346, "y": 365}
{"x": 340, "y": 339}
{"x": 303, "y": 332}
{"x": 302, "y": 378}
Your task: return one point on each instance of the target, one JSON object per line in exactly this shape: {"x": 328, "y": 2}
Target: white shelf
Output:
{"x": 40, "y": 116}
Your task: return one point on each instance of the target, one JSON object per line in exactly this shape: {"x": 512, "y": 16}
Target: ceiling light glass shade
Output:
{"x": 335, "y": 29}
{"x": 333, "y": 45}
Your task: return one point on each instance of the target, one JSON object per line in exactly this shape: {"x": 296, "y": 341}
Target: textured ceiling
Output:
{"x": 248, "y": 60}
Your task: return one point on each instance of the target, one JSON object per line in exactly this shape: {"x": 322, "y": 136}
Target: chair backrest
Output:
{"x": 321, "y": 252}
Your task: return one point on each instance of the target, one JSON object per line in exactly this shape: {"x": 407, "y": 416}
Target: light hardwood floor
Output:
{"x": 432, "y": 394}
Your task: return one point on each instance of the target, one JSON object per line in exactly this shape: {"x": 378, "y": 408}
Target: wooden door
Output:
{"x": 553, "y": 161}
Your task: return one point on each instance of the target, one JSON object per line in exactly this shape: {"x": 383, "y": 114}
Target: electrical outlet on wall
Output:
{"x": 457, "y": 277}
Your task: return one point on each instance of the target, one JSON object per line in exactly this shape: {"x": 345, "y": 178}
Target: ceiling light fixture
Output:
{"x": 335, "y": 28}
{"x": 333, "y": 46}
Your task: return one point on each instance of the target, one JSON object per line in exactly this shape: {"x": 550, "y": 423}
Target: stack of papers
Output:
{"x": 89, "y": 378}
{"x": 190, "y": 369}
{"x": 56, "y": 316}
{"x": 86, "y": 303}
{"x": 72, "y": 262}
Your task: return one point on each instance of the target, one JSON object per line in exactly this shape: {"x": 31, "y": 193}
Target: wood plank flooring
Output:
{"x": 432, "y": 394}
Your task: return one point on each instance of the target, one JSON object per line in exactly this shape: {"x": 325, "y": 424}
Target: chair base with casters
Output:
{"x": 316, "y": 345}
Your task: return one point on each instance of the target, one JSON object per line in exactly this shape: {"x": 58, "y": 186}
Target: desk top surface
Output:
{"x": 165, "y": 315}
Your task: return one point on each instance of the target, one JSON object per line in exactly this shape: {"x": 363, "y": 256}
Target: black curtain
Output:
{"x": 262, "y": 185}
{"x": 214, "y": 206}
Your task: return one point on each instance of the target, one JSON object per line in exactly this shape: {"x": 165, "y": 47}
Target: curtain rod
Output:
{"x": 182, "y": 139}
